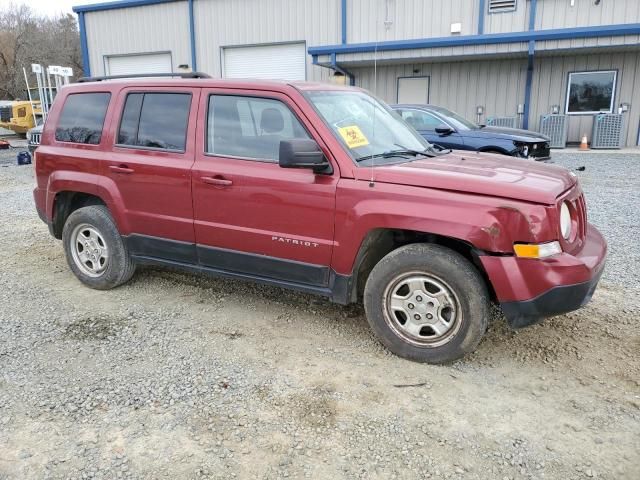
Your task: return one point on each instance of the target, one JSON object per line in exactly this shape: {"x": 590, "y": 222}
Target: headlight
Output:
{"x": 523, "y": 149}
{"x": 28, "y": 136}
{"x": 565, "y": 221}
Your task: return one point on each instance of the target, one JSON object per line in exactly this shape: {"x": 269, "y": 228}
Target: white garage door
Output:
{"x": 413, "y": 90}
{"x": 279, "y": 62}
{"x": 131, "y": 64}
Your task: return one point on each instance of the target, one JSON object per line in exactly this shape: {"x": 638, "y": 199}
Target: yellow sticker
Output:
{"x": 353, "y": 136}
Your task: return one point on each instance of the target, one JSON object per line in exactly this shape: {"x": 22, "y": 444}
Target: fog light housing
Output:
{"x": 537, "y": 250}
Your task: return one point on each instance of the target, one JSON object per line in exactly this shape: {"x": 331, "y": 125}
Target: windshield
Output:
{"x": 367, "y": 127}
{"x": 457, "y": 121}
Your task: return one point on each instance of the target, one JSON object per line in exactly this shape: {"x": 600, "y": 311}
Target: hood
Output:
{"x": 479, "y": 173}
{"x": 505, "y": 133}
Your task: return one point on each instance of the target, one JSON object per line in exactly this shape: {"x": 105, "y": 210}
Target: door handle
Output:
{"x": 120, "y": 169}
{"x": 220, "y": 182}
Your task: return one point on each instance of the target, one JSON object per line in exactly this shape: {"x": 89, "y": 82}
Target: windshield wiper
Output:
{"x": 401, "y": 152}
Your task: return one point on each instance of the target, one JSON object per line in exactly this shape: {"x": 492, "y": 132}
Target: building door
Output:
{"x": 413, "y": 90}
{"x": 287, "y": 61}
{"x": 134, "y": 64}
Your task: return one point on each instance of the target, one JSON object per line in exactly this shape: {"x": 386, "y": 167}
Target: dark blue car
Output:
{"x": 449, "y": 130}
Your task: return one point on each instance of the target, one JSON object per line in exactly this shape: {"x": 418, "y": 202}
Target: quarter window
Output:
{"x": 155, "y": 120}
{"x": 591, "y": 92}
{"x": 250, "y": 127}
{"x": 82, "y": 118}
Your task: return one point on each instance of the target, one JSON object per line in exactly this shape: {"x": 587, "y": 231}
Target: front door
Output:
{"x": 251, "y": 216}
{"x": 150, "y": 167}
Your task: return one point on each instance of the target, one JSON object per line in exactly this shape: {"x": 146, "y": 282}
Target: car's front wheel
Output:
{"x": 94, "y": 248}
{"x": 427, "y": 303}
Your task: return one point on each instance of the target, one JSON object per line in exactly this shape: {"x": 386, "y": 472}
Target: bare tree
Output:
{"x": 27, "y": 38}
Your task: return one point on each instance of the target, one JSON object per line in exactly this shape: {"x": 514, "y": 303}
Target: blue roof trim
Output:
{"x": 343, "y": 13}
{"x": 488, "y": 39}
{"x": 481, "y": 10}
{"x": 86, "y": 66}
{"x": 96, "y": 7}
{"x": 192, "y": 38}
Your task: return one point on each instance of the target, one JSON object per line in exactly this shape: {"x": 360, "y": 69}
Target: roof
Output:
{"x": 117, "y": 4}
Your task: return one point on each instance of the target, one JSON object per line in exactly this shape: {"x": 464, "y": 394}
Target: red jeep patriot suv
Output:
{"x": 317, "y": 188}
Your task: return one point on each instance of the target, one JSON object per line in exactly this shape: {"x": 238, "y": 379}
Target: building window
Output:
{"x": 591, "y": 92}
{"x": 499, "y": 6}
{"x": 155, "y": 120}
{"x": 82, "y": 118}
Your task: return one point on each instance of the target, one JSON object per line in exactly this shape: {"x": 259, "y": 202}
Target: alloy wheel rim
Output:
{"x": 89, "y": 250}
{"x": 422, "y": 309}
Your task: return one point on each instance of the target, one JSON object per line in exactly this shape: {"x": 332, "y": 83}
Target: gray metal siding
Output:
{"x": 560, "y": 13}
{"x": 152, "y": 28}
{"x": 409, "y": 19}
{"x": 515, "y": 21}
{"x": 497, "y": 85}
{"x": 220, "y": 23}
{"x": 550, "y": 88}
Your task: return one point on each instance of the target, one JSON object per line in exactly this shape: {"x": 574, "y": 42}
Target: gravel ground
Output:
{"x": 181, "y": 376}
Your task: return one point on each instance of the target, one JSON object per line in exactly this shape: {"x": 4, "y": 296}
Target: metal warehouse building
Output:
{"x": 486, "y": 59}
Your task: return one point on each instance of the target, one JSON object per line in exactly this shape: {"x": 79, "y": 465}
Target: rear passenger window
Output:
{"x": 250, "y": 127}
{"x": 155, "y": 120}
{"x": 82, "y": 118}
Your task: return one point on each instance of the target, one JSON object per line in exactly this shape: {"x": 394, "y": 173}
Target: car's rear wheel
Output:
{"x": 427, "y": 303}
{"x": 94, "y": 248}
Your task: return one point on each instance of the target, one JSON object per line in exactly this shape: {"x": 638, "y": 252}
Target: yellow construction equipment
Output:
{"x": 20, "y": 116}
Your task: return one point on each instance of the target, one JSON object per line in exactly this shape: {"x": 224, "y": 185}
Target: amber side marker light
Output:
{"x": 537, "y": 250}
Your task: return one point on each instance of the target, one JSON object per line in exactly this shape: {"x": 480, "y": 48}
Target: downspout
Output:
{"x": 334, "y": 64}
{"x": 339, "y": 69}
{"x": 192, "y": 37}
{"x": 530, "y": 66}
{"x": 344, "y": 21}
{"x": 481, "y": 18}
{"x": 86, "y": 67}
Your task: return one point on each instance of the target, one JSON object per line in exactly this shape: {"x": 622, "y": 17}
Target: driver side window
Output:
{"x": 421, "y": 120}
{"x": 250, "y": 127}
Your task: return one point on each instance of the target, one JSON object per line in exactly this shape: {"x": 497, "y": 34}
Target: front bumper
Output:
{"x": 555, "y": 301}
{"x": 529, "y": 290}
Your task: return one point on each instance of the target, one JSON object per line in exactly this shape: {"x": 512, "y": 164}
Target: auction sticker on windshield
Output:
{"x": 353, "y": 136}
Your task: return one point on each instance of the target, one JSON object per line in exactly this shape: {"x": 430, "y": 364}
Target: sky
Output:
{"x": 50, "y": 7}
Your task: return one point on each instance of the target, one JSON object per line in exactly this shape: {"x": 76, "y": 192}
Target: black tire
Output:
{"x": 118, "y": 268}
{"x": 469, "y": 311}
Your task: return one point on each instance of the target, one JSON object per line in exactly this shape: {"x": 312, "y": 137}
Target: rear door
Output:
{"x": 150, "y": 167}
{"x": 252, "y": 216}
{"x": 426, "y": 123}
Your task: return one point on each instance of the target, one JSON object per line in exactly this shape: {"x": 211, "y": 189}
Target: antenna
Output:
{"x": 375, "y": 92}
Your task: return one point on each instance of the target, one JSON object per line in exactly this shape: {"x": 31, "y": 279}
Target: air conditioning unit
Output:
{"x": 555, "y": 127}
{"x": 509, "y": 122}
{"x": 607, "y": 130}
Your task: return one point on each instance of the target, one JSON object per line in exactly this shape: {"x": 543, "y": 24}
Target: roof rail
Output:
{"x": 145, "y": 75}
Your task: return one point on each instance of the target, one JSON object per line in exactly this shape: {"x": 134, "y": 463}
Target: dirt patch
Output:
{"x": 95, "y": 327}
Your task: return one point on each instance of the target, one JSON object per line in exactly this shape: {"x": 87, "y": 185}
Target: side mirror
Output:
{"x": 444, "y": 130}
{"x": 303, "y": 153}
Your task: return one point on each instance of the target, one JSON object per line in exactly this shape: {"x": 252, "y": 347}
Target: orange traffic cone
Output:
{"x": 583, "y": 144}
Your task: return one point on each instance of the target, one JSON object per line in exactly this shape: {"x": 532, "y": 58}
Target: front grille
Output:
{"x": 35, "y": 139}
